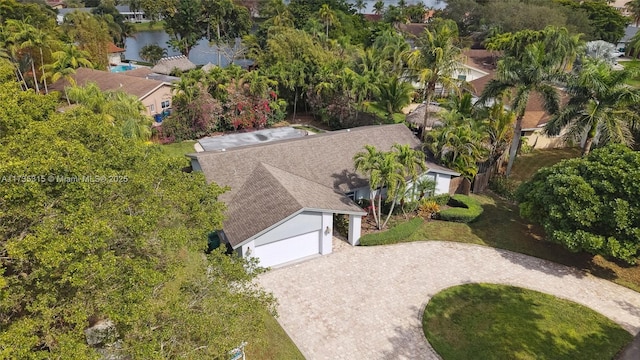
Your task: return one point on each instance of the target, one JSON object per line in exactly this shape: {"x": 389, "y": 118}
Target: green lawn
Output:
{"x": 483, "y": 321}
{"x": 375, "y": 108}
{"x": 180, "y": 148}
{"x": 148, "y": 26}
{"x": 634, "y": 64}
{"x": 275, "y": 343}
{"x": 526, "y": 165}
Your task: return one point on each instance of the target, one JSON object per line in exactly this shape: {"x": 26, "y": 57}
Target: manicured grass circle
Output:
{"x": 485, "y": 321}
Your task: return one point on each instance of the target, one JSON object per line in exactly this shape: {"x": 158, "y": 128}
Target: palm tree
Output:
{"x": 460, "y": 143}
{"x": 532, "y": 73}
{"x": 360, "y": 5}
{"x": 128, "y": 113}
{"x": 633, "y": 46}
{"x": 435, "y": 59}
{"x": 413, "y": 165}
{"x": 66, "y": 61}
{"x": 633, "y": 7}
{"x": 378, "y": 7}
{"x": 394, "y": 94}
{"x": 22, "y": 34}
{"x": 599, "y": 105}
{"x": 328, "y": 16}
{"x": 383, "y": 171}
{"x": 498, "y": 124}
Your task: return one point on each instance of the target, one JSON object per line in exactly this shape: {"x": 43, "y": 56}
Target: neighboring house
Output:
{"x": 146, "y": 73}
{"x": 168, "y": 65}
{"x": 535, "y": 116}
{"x": 629, "y": 32}
{"x": 63, "y": 12}
{"x": 154, "y": 95}
{"x": 284, "y": 194}
{"x": 115, "y": 54}
{"x": 55, "y": 4}
{"x": 131, "y": 15}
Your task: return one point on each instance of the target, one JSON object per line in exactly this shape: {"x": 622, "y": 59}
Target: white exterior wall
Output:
{"x": 442, "y": 183}
{"x": 326, "y": 234}
{"x": 303, "y": 223}
{"x": 469, "y": 73}
{"x": 355, "y": 229}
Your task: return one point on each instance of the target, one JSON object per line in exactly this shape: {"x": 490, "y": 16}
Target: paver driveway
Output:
{"x": 366, "y": 302}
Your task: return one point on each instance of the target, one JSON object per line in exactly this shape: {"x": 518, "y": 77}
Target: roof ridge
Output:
{"x": 288, "y": 173}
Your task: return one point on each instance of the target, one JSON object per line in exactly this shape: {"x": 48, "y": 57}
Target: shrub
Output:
{"x": 463, "y": 209}
{"x": 504, "y": 187}
{"x": 441, "y": 200}
{"x": 396, "y": 234}
{"x": 428, "y": 208}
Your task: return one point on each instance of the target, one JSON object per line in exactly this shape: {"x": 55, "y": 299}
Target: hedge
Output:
{"x": 396, "y": 234}
{"x": 463, "y": 209}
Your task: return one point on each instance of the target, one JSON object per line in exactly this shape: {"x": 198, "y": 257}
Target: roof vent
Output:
{"x": 348, "y": 130}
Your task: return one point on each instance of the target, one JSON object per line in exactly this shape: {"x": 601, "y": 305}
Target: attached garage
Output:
{"x": 287, "y": 250}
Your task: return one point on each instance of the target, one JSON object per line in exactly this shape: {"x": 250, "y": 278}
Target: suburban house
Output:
{"x": 535, "y": 116}
{"x": 132, "y": 15}
{"x": 114, "y": 53}
{"x": 155, "y": 95}
{"x": 284, "y": 194}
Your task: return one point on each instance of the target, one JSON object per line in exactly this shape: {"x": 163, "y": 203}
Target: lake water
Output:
{"x": 202, "y": 53}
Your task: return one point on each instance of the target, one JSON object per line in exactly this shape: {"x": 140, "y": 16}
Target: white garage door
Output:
{"x": 290, "y": 249}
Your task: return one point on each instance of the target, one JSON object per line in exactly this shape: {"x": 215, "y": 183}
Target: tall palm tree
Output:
{"x": 22, "y": 34}
{"x": 384, "y": 172}
{"x": 360, "y": 5}
{"x": 378, "y": 7}
{"x": 498, "y": 123}
{"x": 328, "y": 16}
{"x": 532, "y": 72}
{"x": 435, "y": 59}
{"x": 633, "y": 7}
{"x": 599, "y": 106}
{"x": 633, "y": 46}
{"x": 413, "y": 165}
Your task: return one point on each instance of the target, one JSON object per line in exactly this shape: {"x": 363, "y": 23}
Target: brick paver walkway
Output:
{"x": 366, "y": 302}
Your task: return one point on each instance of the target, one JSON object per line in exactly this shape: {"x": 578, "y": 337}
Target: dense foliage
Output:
{"x": 589, "y": 204}
{"x": 95, "y": 226}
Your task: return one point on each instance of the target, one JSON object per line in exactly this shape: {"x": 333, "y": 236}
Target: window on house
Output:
{"x": 462, "y": 77}
{"x": 152, "y": 108}
{"x": 165, "y": 104}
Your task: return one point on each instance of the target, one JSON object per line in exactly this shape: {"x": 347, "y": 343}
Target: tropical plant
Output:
{"x": 435, "y": 59}
{"x": 533, "y": 62}
{"x": 23, "y": 35}
{"x": 152, "y": 53}
{"x": 394, "y": 94}
{"x": 328, "y": 16}
{"x": 633, "y": 7}
{"x": 599, "y": 106}
{"x": 378, "y": 7}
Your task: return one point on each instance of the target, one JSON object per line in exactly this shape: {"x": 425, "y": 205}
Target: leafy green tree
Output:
{"x": 152, "y": 53}
{"x": 96, "y": 226}
{"x": 185, "y": 25}
{"x": 91, "y": 34}
{"x": 229, "y": 20}
{"x": 590, "y": 203}
{"x": 436, "y": 57}
{"x": 599, "y": 105}
{"x": 607, "y": 23}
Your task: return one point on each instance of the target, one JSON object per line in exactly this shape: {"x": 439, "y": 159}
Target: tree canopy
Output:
{"x": 589, "y": 204}
{"x": 97, "y": 226}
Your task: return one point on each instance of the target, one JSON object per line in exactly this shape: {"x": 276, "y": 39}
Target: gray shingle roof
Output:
{"x": 271, "y": 195}
{"x": 325, "y": 158}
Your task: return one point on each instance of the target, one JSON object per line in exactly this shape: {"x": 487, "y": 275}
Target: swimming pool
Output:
{"x": 122, "y": 67}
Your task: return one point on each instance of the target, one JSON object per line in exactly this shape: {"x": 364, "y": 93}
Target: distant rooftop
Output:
{"x": 217, "y": 143}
